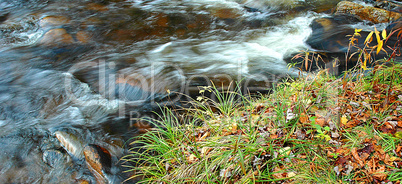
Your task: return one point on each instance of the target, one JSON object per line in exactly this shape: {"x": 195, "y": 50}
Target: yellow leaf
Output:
{"x": 344, "y": 120}
{"x": 291, "y": 174}
{"x": 379, "y": 46}
{"x": 192, "y": 158}
{"x": 384, "y": 34}
{"x": 377, "y": 35}
{"x": 392, "y": 159}
{"x": 357, "y": 32}
{"x": 364, "y": 66}
{"x": 398, "y": 135}
{"x": 368, "y": 39}
{"x": 200, "y": 98}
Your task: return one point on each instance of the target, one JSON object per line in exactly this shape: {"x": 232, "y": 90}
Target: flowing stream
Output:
{"x": 83, "y": 70}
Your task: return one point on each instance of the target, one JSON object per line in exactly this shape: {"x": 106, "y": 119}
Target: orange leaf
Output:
{"x": 303, "y": 118}
{"x": 356, "y": 156}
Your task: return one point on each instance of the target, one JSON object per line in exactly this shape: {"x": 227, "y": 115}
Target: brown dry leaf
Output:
{"x": 357, "y": 157}
{"x": 364, "y": 156}
{"x": 380, "y": 174}
{"x": 205, "y": 151}
{"x": 379, "y": 149}
{"x": 278, "y": 174}
{"x": 400, "y": 123}
{"x": 398, "y": 150}
{"x": 206, "y": 134}
{"x": 352, "y": 123}
{"x": 363, "y": 117}
{"x": 320, "y": 121}
{"x": 304, "y": 118}
{"x": 390, "y": 160}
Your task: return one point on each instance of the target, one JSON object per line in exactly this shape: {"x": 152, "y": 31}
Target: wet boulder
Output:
{"x": 329, "y": 38}
{"x": 99, "y": 162}
{"x": 71, "y": 143}
{"x": 388, "y": 5}
{"x": 3, "y": 16}
{"x": 56, "y": 37}
{"x": 97, "y": 7}
{"x": 329, "y": 33}
{"x": 53, "y": 158}
{"x": 369, "y": 13}
{"x": 49, "y": 21}
{"x": 83, "y": 37}
{"x": 226, "y": 13}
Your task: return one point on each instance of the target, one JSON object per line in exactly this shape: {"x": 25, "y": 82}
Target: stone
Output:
{"x": 71, "y": 143}
{"x": 99, "y": 162}
{"x": 226, "y": 13}
{"x": 53, "y": 21}
{"x": 55, "y": 37}
{"x": 3, "y": 17}
{"x": 387, "y": 5}
{"x": 82, "y": 37}
{"x": 369, "y": 13}
{"x": 329, "y": 33}
{"x": 53, "y": 157}
{"x": 97, "y": 7}
{"x": 142, "y": 126}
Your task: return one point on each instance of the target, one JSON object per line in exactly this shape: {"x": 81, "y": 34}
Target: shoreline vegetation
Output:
{"x": 318, "y": 128}
{"x": 315, "y": 129}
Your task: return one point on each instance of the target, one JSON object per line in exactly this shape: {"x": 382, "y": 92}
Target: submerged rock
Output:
{"x": 56, "y": 37}
{"x": 330, "y": 38}
{"x": 369, "y": 13}
{"x": 387, "y": 5}
{"x": 99, "y": 162}
{"x": 226, "y": 13}
{"x": 53, "y": 158}
{"x": 3, "y": 17}
{"x": 329, "y": 33}
{"x": 72, "y": 144}
{"x": 83, "y": 37}
{"x": 53, "y": 21}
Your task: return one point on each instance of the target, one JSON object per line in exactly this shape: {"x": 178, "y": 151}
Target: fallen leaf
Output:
{"x": 320, "y": 121}
{"x": 284, "y": 151}
{"x": 278, "y": 174}
{"x": 234, "y": 127}
{"x": 291, "y": 174}
{"x": 357, "y": 157}
{"x": 206, "y": 134}
{"x": 344, "y": 120}
{"x": 192, "y": 159}
{"x": 304, "y": 118}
